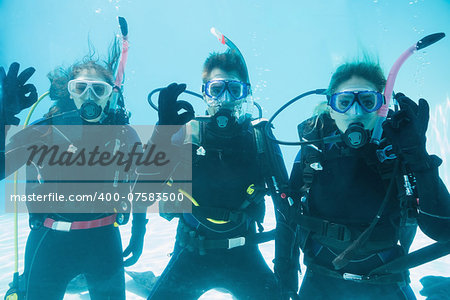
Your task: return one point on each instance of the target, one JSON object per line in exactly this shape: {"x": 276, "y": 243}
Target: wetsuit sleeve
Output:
{"x": 286, "y": 263}
{"x": 2, "y": 134}
{"x": 2, "y": 150}
{"x": 2, "y": 138}
{"x": 296, "y": 179}
{"x": 15, "y": 150}
{"x": 295, "y": 184}
{"x": 434, "y": 202}
{"x": 275, "y": 173}
{"x": 152, "y": 178}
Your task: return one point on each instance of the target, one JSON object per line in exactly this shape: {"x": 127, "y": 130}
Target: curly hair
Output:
{"x": 60, "y": 76}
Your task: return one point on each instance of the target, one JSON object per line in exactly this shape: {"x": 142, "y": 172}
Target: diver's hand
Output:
{"x": 406, "y": 130}
{"x": 168, "y": 106}
{"x": 16, "y": 94}
{"x": 136, "y": 244}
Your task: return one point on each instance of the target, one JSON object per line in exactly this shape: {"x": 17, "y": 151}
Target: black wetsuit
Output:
{"x": 349, "y": 191}
{"x": 221, "y": 176}
{"x": 53, "y": 257}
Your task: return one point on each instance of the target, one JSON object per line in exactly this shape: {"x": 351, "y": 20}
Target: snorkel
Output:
{"x": 226, "y": 118}
{"x": 356, "y": 138}
{"x": 232, "y": 47}
{"x": 116, "y": 102}
{"x": 383, "y": 111}
{"x": 123, "y": 59}
{"x": 226, "y": 41}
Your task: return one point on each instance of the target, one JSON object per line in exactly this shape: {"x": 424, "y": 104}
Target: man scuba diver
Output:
{"x": 357, "y": 204}
{"x": 232, "y": 162}
{"x": 76, "y": 237}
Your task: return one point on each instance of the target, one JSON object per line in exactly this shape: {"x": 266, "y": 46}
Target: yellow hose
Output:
{"x": 196, "y": 204}
{"x": 16, "y": 174}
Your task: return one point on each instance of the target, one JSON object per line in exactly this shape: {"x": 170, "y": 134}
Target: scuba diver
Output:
{"x": 357, "y": 204}
{"x": 75, "y": 238}
{"x": 232, "y": 162}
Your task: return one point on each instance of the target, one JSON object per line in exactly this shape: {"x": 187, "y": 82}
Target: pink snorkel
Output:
{"x": 123, "y": 59}
{"x": 383, "y": 111}
{"x": 116, "y": 101}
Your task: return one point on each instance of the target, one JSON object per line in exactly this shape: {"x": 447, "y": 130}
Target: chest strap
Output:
{"x": 192, "y": 241}
{"x": 370, "y": 279}
{"x": 324, "y": 228}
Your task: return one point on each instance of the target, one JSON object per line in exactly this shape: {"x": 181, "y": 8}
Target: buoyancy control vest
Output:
{"x": 231, "y": 175}
{"x": 66, "y": 171}
{"x": 342, "y": 188}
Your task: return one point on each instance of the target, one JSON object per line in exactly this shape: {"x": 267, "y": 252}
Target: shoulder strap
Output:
{"x": 270, "y": 159}
{"x": 311, "y": 155}
{"x": 193, "y": 133}
{"x": 258, "y": 127}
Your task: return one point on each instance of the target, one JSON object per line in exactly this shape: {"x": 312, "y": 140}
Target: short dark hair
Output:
{"x": 369, "y": 70}
{"x": 227, "y": 61}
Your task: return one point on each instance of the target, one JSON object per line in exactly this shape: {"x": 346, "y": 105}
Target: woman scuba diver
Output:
{"x": 357, "y": 204}
{"x": 75, "y": 237}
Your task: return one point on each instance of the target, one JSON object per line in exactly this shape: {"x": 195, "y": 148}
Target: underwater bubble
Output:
{"x": 440, "y": 135}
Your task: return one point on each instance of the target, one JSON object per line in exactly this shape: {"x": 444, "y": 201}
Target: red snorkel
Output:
{"x": 226, "y": 41}
{"x": 383, "y": 111}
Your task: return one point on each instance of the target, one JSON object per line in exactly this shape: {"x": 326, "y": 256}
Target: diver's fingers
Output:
{"x": 174, "y": 90}
{"x": 168, "y": 95}
{"x": 25, "y": 75}
{"x": 29, "y": 89}
{"x": 186, "y": 116}
{"x": 13, "y": 71}
{"x": 423, "y": 114}
{"x": 408, "y": 105}
{"x": 2, "y": 74}
{"x": 180, "y": 89}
